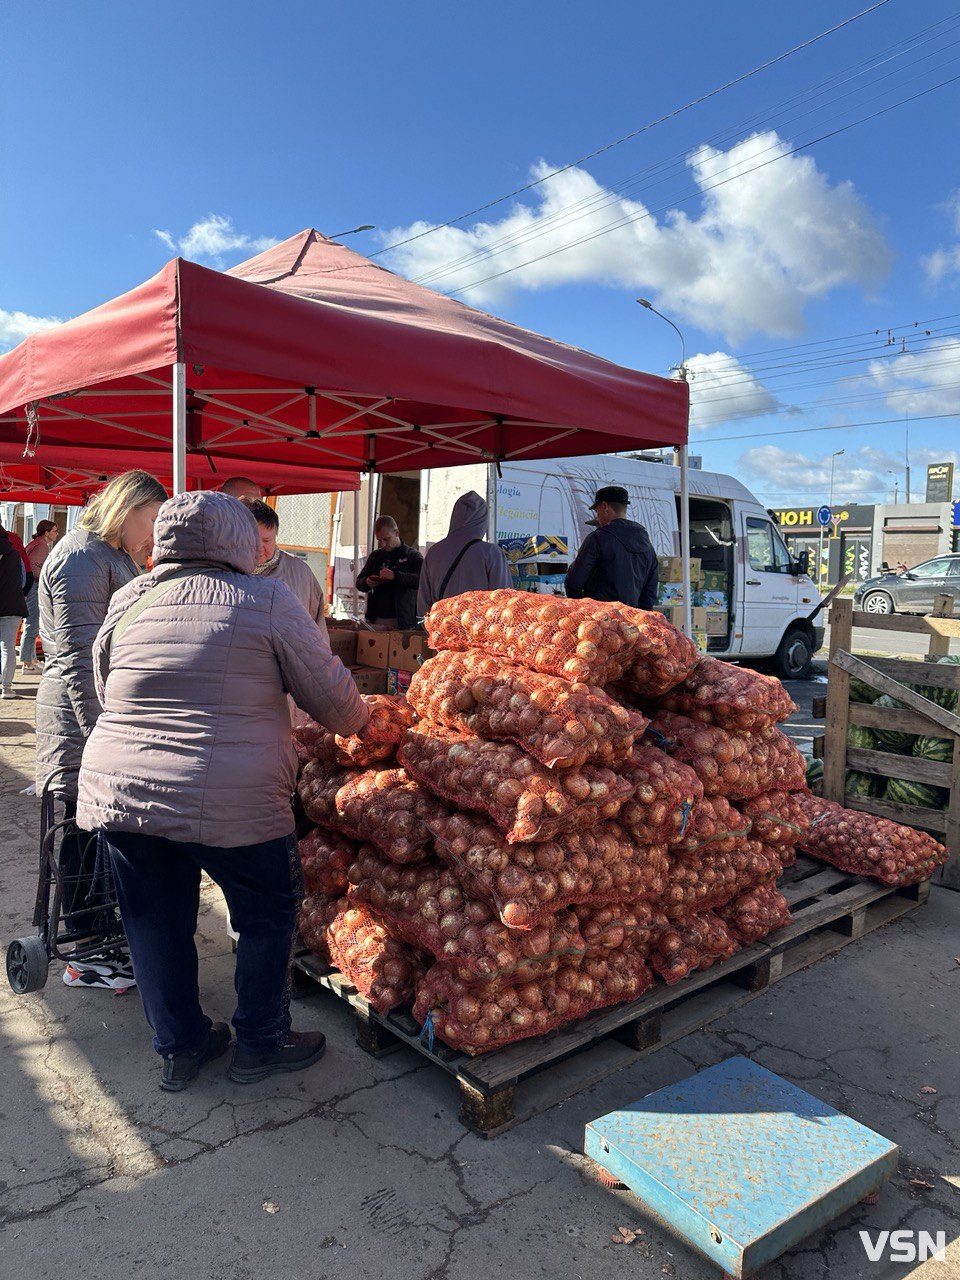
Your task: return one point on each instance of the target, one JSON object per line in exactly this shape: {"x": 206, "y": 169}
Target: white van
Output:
{"x": 771, "y": 596}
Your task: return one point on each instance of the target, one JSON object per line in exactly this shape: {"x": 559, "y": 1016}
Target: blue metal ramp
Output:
{"x": 740, "y": 1164}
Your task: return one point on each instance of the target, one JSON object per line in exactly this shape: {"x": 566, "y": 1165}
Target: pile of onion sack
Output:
{"x": 570, "y": 805}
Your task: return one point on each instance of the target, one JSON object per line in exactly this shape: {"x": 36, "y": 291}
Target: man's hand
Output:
{"x": 387, "y": 575}
{"x": 372, "y": 580}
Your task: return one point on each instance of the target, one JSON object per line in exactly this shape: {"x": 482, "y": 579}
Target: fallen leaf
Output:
{"x": 628, "y": 1235}
{"x": 669, "y": 1269}
{"x": 270, "y": 1206}
{"x": 616, "y": 1240}
{"x": 928, "y": 1088}
{"x": 921, "y": 1185}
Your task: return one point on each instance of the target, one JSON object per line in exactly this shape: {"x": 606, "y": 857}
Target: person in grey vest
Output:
{"x": 462, "y": 561}
{"x": 617, "y": 560}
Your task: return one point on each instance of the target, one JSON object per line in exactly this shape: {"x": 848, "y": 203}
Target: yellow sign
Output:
{"x": 804, "y": 518}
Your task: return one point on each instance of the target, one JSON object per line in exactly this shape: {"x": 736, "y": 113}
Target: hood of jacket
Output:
{"x": 206, "y": 528}
{"x": 632, "y": 536}
{"x": 469, "y": 516}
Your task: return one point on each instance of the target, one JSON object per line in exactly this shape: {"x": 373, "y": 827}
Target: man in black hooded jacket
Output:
{"x": 617, "y": 560}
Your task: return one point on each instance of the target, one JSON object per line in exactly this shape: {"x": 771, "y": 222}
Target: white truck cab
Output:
{"x": 769, "y": 595}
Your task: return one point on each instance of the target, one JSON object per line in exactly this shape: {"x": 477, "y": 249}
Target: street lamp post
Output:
{"x": 683, "y": 374}
{"x": 833, "y": 463}
{"x": 367, "y": 226}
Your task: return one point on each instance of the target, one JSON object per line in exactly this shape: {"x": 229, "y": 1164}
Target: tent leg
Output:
{"x": 492, "y": 503}
{"x": 371, "y": 509}
{"x": 356, "y": 553}
{"x": 179, "y": 427}
{"x": 685, "y": 541}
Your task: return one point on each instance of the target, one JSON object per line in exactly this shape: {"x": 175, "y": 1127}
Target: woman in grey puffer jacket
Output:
{"x": 191, "y": 766}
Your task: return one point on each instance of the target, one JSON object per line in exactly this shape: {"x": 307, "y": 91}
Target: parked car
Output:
{"x": 912, "y": 590}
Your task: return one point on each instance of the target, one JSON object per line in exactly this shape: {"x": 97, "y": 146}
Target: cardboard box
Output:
{"x": 373, "y": 649}
{"x": 408, "y": 650}
{"x": 398, "y": 682}
{"x": 718, "y": 622}
{"x": 671, "y": 569}
{"x": 670, "y": 593}
{"x": 718, "y": 600}
{"x": 343, "y": 645}
{"x": 700, "y": 640}
{"x": 674, "y": 614}
{"x": 714, "y": 580}
{"x": 370, "y": 679}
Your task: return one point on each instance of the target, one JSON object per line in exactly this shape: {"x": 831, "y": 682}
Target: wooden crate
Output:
{"x": 918, "y": 716}
{"x": 501, "y": 1088}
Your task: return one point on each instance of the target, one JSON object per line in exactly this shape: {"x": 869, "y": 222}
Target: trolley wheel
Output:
{"x": 27, "y": 965}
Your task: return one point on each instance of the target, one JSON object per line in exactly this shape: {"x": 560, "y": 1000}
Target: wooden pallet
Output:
{"x": 917, "y": 715}
{"x": 501, "y": 1088}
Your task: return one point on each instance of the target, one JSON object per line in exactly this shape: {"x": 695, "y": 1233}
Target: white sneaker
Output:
{"x": 32, "y": 668}
{"x": 116, "y": 977}
{"x": 7, "y": 693}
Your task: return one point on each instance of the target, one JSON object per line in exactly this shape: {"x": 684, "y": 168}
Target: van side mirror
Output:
{"x": 802, "y": 563}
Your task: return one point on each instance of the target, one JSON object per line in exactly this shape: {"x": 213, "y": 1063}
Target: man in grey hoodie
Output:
{"x": 462, "y": 561}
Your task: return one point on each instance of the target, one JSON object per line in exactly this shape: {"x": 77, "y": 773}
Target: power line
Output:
{"x": 845, "y": 426}
{"x": 609, "y": 146}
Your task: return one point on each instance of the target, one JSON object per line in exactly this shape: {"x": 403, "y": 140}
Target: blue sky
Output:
{"x": 779, "y": 251}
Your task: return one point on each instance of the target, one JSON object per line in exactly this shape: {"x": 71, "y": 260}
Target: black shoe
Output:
{"x": 180, "y": 1068}
{"x": 300, "y": 1049}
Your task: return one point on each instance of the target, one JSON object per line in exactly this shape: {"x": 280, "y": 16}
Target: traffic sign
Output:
{"x": 823, "y": 515}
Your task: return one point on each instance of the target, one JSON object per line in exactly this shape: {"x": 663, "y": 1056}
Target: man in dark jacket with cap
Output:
{"x": 617, "y": 560}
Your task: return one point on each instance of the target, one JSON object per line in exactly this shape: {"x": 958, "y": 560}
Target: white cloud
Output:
{"x": 769, "y": 238}
{"x": 723, "y": 390}
{"x": 945, "y": 262}
{"x": 213, "y": 237}
{"x": 865, "y": 474}
{"x": 922, "y": 382}
{"x": 17, "y": 325}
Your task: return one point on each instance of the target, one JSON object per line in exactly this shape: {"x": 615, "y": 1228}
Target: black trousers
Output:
{"x": 158, "y": 886}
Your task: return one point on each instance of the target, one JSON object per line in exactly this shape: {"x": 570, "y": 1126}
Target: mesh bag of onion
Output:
{"x": 665, "y": 795}
{"x": 779, "y": 817}
{"x": 526, "y": 882}
{"x": 428, "y": 906}
{"x": 755, "y": 914}
{"x": 475, "y": 1019}
{"x": 697, "y": 942}
{"x": 715, "y": 824}
{"x": 557, "y": 722}
{"x": 377, "y": 741}
{"x": 869, "y": 846}
{"x": 326, "y": 857}
{"x": 735, "y": 765}
{"x": 383, "y": 970}
{"x": 620, "y": 927}
{"x": 711, "y": 879}
{"x": 578, "y": 639}
{"x": 384, "y": 806}
{"x": 525, "y": 799}
{"x": 732, "y": 697}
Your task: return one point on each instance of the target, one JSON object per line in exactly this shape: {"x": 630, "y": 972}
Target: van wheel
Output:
{"x": 794, "y": 655}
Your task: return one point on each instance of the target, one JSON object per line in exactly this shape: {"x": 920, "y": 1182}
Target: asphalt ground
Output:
{"x": 360, "y": 1167}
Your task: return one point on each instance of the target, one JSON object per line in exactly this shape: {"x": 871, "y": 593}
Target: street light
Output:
{"x": 833, "y": 463}
{"x": 684, "y": 489}
{"x": 367, "y": 226}
{"x": 896, "y": 484}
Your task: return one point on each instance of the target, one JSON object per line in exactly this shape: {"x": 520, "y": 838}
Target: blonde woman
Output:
{"x": 79, "y": 577}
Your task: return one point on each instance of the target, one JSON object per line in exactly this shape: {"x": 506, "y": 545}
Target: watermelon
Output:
{"x": 946, "y": 698}
{"x": 860, "y": 692}
{"x": 934, "y": 749}
{"x": 863, "y": 784}
{"x": 859, "y": 735}
{"x": 893, "y": 739}
{"x": 900, "y": 791}
{"x": 814, "y": 772}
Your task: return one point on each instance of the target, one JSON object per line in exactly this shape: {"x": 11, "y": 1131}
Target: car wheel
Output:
{"x": 877, "y": 602}
{"x": 794, "y": 656}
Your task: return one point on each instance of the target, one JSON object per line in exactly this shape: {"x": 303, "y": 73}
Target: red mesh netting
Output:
{"x": 732, "y": 697}
{"x": 326, "y": 857}
{"x": 559, "y": 723}
{"x": 577, "y": 639}
{"x": 694, "y": 943}
{"x": 735, "y": 765}
{"x": 526, "y": 882}
{"x": 665, "y": 795}
{"x": 428, "y": 907}
{"x": 715, "y": 824}
{"x": 384, "y": 970}
{"x": 377, "y": 741}
{"x": 621, "y": 927}
{"x": 710, "y": 879}
{"x": 384, "y": 806}
{"x": 753, "y": 915}
{"x": 475, "y": 1019}
{"x": 779, "y": 817}
{"x": 869, "y": 846}
{"x": 525, "y": 799}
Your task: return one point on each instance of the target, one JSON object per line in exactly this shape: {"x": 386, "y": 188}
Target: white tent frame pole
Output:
{"x": 685, "y": 542}
{"x": 356, "y": 553}
{"x": 179, "y": 387}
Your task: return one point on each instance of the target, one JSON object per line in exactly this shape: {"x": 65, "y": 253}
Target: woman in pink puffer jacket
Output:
{"x": 190, "y": 767}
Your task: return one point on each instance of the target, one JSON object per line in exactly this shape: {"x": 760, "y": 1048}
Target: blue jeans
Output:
{"x": 31, "y": 626}
{"x": 158, "y": 887}
{"x": 9, "y": 625}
